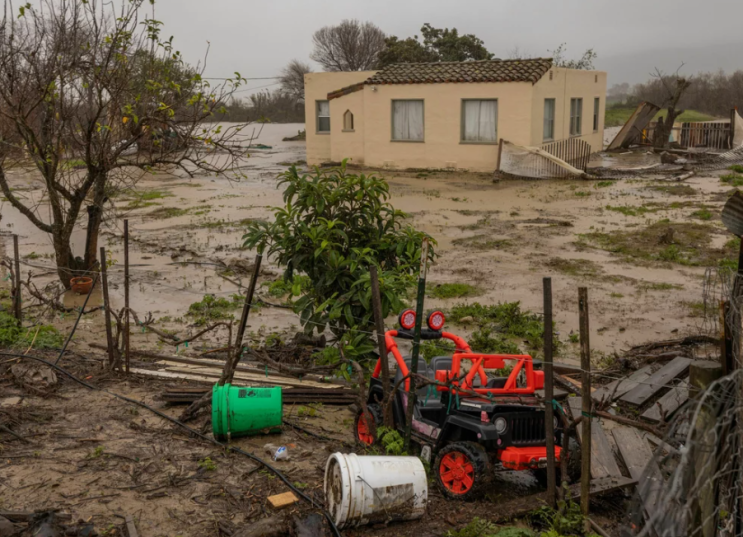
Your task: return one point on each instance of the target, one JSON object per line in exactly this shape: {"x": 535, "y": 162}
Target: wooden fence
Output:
{"x": 712, "y": 135}
{"x": 574, "y": 151}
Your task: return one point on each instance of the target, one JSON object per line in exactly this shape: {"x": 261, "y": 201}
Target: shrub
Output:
{"x": 333, "y": 227}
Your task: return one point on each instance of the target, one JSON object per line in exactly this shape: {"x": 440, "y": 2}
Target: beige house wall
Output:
{"x": 346, "y": 143}
{"x": 564, "y": 85}
{"x": 442, "y": 108}
{"x": 316, "y": 88}
{"x": 520, "y": 119}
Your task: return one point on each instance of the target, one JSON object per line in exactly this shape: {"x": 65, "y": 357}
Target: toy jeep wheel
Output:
{"x": 364, "y": 431}
{"x": 462, "y": 468}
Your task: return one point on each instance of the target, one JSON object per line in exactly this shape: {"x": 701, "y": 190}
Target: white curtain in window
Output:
{"x": 549, "y": 119}
{"x": 407, "y": 120}
{"x": 323, "y": 108}
{"x": 480, "y": 120}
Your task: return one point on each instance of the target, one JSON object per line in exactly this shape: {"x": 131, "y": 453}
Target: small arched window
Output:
{"x": 348, "y": 121}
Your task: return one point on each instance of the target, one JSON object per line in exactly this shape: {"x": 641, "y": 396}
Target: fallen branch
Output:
{"x": 630, "y": 422}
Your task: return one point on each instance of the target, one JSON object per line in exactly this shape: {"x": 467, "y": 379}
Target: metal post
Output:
{"x": 234, "y": 358}
{"x": 106, "y": 309}
{"x": 126, "y": 295}
{"x": 549, "y": 393}
{"x": 17, "y": 283}
{"x": 585, "y": 365}
{"x": 379, "y": 324}
{"x": 416, "y": 340}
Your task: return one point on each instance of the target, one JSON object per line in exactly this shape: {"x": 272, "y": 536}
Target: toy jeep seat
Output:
{"x": 444, "y": 363}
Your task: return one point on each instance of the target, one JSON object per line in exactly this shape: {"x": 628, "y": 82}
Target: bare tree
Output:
{"x": 292, "y": 79}
{"x": 350, "y": 46}
{"x": 90, "y": 99}
{"x": 674, "y": 88}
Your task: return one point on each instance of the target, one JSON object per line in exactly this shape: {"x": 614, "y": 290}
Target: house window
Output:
{"x": 549, "y": 119}
{"x": 480, "y": 121}
{"x": 576, "y": 116}
{"x": 348, "y": 121}
{"x": 595, "y": 114}
{"x": 407, "y": 120}
{"x": 323, "y": 116}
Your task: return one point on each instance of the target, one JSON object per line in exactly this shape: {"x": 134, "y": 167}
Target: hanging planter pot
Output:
{"x": 81, "y": 285}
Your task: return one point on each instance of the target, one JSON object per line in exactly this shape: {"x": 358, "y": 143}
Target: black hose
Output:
{"x": 260, "y": 461}
{"x": 80, "y": 315}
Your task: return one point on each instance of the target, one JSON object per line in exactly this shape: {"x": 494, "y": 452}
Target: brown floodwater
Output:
{"x": 503, "y": 237}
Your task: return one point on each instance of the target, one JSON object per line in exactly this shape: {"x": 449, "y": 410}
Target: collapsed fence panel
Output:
{"x": 541, "y": 163}
{"x": 632, "y": 130}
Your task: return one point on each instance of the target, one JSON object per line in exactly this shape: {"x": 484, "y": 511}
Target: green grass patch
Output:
{"x": 664, "y": 241}
{"x": 628, "y": 210}
{"x": 212, "y": 308}
{"x": 581, "y": 268}
{"x": 674, "y": 190}
{"x": 659, "y": 286}
{"x": 503, "y": 326}
{"x": 617, "y": 116}
{"x": 737, "y": 168}
{"x": 483, "y": 242}
{"x": 14, "y": 337}
{"x": 582, "y": 193}
{"x": 616, "y": 295}
{"x": 702, "y": 214}
{"x": 733, "y": 179}
{"x": 604, "y": 184}
{"x": 454, "y": 290}
{"x": 168, "y": 212}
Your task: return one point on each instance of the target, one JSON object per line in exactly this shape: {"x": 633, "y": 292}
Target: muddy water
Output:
{"x": 502, "y": 237}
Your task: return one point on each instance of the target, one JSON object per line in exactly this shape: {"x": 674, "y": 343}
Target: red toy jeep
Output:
{"x": 471, "y": 417}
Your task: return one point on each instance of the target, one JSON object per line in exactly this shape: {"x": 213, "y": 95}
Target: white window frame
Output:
{"x": 576, "y": 116}
{"x": 318, "y": 116}
{"x": 551, "y": 121}
{"x": 463, "y": 126}
{"x": 596, "y": 111}
{"x": 392, "y": 121}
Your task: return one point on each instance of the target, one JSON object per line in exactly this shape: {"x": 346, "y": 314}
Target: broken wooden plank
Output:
{"x": 668, "y": 404}
{"x": 655, "y": 382}
{"x": 279, "y": 501}
{"x": 131, "y": 528}
{"x": 520, "y": 506}
{"x": 603, "y": 463}
{"x": 633, "y": 448}
{"x": 619, "y": 387}
{"x": 24, "y": 516}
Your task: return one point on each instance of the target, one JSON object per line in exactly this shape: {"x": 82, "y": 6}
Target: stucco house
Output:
{"x": 449, "y": 114}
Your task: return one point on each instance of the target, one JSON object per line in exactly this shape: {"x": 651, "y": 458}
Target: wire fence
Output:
{"x": 694, "y": 486}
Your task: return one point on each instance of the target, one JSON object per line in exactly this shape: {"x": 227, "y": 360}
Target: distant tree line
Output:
{"x": 711, "y": 93}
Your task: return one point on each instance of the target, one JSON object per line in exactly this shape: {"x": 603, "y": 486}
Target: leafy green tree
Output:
{"x": 439, "y": 45}
{"x": 333, "y": 227}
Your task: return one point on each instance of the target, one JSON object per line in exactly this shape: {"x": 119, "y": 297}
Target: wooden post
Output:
{"x": 733, "y": 115}
{"x": 17, "y": 312}
{"x": 549, "y": 393}
{"x": 500, "y": 153}
{"x": 379, "y": 324}
{"x": 416, "y": 340}
{"x": 107, "y": 311}
{"x": 585, "y": 365}
{"x": 727, "y": 358}
{"x": 126, "y": 295}
{"x": 234, "y": 358}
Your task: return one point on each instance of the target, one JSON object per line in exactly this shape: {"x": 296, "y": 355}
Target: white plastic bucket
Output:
{"x": 372, "y": 490}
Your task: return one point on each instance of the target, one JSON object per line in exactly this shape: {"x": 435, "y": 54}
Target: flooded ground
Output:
{"x": 502, "y": 237}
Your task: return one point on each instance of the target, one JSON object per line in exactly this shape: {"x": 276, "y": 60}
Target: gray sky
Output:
{"x": 631, "y": 36}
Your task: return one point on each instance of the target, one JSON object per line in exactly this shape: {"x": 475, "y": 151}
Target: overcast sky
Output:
{"x": 257, "y": 38}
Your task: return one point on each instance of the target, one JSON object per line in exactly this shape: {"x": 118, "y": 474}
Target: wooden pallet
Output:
{"x": 669, "y": 404}
{"x": 619, "y": 387}
{"x": 640, "y": 395}
{"x": 603, "y": 463}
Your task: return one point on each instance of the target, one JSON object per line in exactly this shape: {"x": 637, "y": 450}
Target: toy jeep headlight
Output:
{"x": 500, "y": 425}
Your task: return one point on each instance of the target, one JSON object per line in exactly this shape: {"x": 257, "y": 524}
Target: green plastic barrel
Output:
{"x": 240, "y": 411}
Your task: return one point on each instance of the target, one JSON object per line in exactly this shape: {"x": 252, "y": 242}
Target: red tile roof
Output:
{"x": 475, "y": 71}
